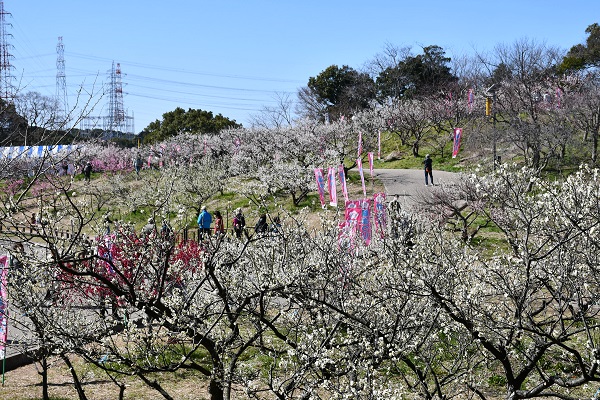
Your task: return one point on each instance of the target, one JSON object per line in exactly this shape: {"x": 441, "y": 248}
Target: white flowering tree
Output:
{"x": 292, "y": 314}
{"x": 528, "y": 305}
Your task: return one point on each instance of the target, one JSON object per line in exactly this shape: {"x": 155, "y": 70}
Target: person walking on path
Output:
{"x": 137, "y": 164}
{"x": 239, "y": 223}
{"x": 428, "y": 163}
{"x": 204, "y": 221}
{"x": 87, "y": 171}
{"x": 219, "y": 227}
{"x": 262, "y": 225}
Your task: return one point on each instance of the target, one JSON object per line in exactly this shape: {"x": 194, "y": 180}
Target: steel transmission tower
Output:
{"x": 116, "y": 113}
{"x": 7, "y": 89}
{"x": 61, "y": 79}
{"x": 117, "y": 122}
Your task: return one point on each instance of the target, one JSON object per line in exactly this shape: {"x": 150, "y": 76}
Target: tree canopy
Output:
{"x": 338, "y": 91}
{"x": 416, "y": 75}
{"x": 179, "y": 121}
{"x": 585, "y": 55}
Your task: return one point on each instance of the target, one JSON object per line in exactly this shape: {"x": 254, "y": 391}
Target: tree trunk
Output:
{"x": 156, "y": 386}
{"x": 215, "y": 390}
{"x": 44, "y": 373}
{"x": 415, "y": 149}
{"x": 595, "y": 148}
{"x": 76, "y": 382}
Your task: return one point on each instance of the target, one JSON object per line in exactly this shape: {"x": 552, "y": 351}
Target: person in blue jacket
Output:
{"x": 204, "y": 221}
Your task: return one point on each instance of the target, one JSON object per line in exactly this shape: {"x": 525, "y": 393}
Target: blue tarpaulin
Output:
{"x": 34, "y": 151}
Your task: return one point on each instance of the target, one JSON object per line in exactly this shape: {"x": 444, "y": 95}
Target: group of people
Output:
{"x": 206, "y": 226}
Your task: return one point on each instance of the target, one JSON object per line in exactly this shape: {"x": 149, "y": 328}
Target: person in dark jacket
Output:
{"x": 87, "y": 171}
{"x": 261, "y": 226}
{"x": 428, "y": 163}
{"x": 239, "y": 223}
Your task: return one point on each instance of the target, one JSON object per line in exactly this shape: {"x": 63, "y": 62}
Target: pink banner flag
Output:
{"x": 449, "y": 104}
{"x": 470, "y": 100}
{"x": 370, "y": 156}
{"x": 161, "y": 156}
{"x": 365, "y": 221}
{"x": 379, "y": 145}
{"x": 342, "y": 176}
{"x": 320, "y": 185}
{"x": 362, "y": 175}
{"x": 349, "y": 228}
{"x": 352, "y": 214}
{"x": 360, "y": 144}
{"x": 457, "y": 137}
{"x": 3, "y": 306}
{"x": 346, "y": 236}
{"x": 379, "y": 214}
{"x": 332, "y": 187}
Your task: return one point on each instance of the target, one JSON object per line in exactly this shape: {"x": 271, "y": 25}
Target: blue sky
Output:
{"x": 232, "y": 57}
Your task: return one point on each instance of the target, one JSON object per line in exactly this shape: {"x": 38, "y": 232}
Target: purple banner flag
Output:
{"x": 320, "y": 185}
{"x": 457, "y": 137}
{"x": 3, "y": 306}
{"x": 379, "y": 214}
{"x": 342, "y": 176}
{"x": 365, "y": 221}
{"x": 332, "y": 186}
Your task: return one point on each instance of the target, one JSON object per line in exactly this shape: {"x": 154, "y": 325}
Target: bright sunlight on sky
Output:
{"x": 236, "y": 57}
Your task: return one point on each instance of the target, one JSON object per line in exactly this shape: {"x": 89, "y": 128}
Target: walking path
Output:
{"x": 408, "y": 184}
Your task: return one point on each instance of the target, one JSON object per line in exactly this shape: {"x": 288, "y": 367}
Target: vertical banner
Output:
{"x": 332, "y": 187}
{"x": 345, "y": 237}
{"x": 349, "y": 228}
{"x": 320, "y": 185}
{"x": 360, "y": 144}
{"x": 342, "y": 176}
{"x": 457, "y": 137}
{"x": 370, "y": 154}
{"x": 470, "y": 100}
{"x": 449, "y": 104}
{"x": 3, "y": 306}
{"x": 161, "y": 155}
{"x": 365, "y": 221}
{"x": 379, "y": 214}
{"x": 352, "y": 214}
{"x": 362, "y": 175}
{"x": 379, "y": 145}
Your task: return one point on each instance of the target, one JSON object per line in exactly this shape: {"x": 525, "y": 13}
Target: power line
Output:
{"x": 181, "y": 70}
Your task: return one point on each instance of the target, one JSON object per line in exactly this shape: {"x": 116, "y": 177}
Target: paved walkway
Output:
{"x": 408, "y": 184}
